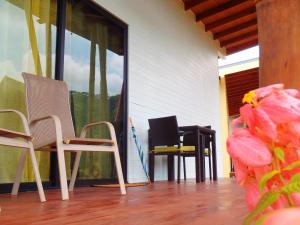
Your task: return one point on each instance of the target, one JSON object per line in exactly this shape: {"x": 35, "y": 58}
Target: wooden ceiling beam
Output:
{"x": 239, "y": 38}
{"x": 246, "y": 84}
{"x": 236, "y": 76}
{"x": 244, "y": 80}
{"x": 235, "y": 29}
{"x": 218, "y": 9}
{"x": 228, "y": 76}
{"x": 192, "y": 3}
{"x": 241, "y": 47}
{"x": 233, "y": 76}
{"x": 228, "y": 19}
{"x": 233, "y": 79}
{"x": 244, "y": 88}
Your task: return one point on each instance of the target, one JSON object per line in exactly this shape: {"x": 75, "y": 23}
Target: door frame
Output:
{"x": 59, "y": 75}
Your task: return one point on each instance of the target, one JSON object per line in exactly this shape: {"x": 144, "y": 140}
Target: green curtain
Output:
{"x": 94, "y": 164}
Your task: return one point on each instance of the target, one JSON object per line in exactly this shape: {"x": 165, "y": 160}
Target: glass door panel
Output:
{"x": 27, "y": 37}
{"x": 94, "y": 71}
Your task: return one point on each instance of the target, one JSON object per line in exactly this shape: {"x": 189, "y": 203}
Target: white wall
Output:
{"x": 173, "y": 70}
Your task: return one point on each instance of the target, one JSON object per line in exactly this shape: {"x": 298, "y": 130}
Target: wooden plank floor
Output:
{"x": 167, "y": 203}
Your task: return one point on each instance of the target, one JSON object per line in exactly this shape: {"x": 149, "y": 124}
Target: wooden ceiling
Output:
{"x": 232, "y": 22}
{"x": 238, "y": 84}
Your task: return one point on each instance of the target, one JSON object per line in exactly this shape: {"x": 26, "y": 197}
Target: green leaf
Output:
{"x": 279, "y": 153}
{"x": 295, "y": 178}
{"x": 261, "y": 219}
{"x": 292, "y": 166}
{"x": 263, "y": 181}
{"x": 265, "y": 201}
{"x": 291, "y": 187}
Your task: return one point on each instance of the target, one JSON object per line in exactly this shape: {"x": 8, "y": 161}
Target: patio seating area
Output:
{"x": 136, "y": 112}
{"x": 217, "y": 203}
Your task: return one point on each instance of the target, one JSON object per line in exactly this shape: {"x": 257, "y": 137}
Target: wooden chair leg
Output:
{"x": 20, "y": 169}
{"x": 119, "y": 171}
{"x": 184, "y": 168}
{"x": 62, "y": 174}
{"x": 178, "y": 168}
{"x": 37, "y": 175}
{"x": 75, "y": 171}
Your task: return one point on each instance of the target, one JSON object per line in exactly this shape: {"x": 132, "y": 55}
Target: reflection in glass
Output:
{"x": 27, "y": 40}
{"x": 93, "y": 70}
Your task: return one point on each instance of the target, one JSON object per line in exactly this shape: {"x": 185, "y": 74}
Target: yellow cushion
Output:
{"x": 161, "y": 149}
{"x": 206, "y": 151}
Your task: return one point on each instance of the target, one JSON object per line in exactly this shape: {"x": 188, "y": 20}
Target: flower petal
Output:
{"x": 247, "y": 115}
{"x": 240, "y": 171}
{"x": 292, "y": 92}
{"x": 248, "y": 148}
{"x": 264, "y": 91}
{"x": 258, "y": 121}
{"x": 296, "y": 198}
{"x": 290, "y": 216}
{"x": 261, "y": 171}
{"x": 252, "y": 195}
{"x": 238, "y": 122}
{"x": 265, "y": 126}
{"x": 280, "y": 203}
{"x": 281, "y": 107}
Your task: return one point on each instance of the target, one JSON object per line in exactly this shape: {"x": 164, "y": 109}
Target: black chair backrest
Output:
{"x": 164, "y": 131}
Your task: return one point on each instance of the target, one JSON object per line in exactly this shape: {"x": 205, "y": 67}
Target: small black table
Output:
{"x": 199, "y": 135}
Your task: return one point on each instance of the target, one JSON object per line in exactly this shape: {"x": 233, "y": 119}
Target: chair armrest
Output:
{"x": 205, "y": 130}
{"x": 22, "y": 117}
{"x": 57, "y": 124}
{"x": 183, "y": 133}
{"x": 108, "y": 124}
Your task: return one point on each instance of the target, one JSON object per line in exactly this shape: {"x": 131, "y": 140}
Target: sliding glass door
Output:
{"x": 94, "y": 71}
{"x": 94, "y": 67}
{"x": 27, "y": 44}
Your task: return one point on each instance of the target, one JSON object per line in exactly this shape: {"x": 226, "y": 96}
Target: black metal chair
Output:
{"x": 164, "y": 139}
{"x": 190, "y": 141}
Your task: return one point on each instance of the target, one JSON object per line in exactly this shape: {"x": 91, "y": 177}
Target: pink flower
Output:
{"x": 296, "y": 198}
{"x": 241, "y": 171}
{"x": 258, "y": 122}
{"x": 248, "y": 149}
{"x": 269, "y": 142}
{"x": 248, "y": 116}
{"x": 238, "y": 122}
{"x": 252, "y": 195}
{"x": 289, "y": 216}
{"x": 292, "y": 92}
{"x": 280, "y": 203}
{"x": 291, "y": 155}
{"x": 265, "y": 91}
{"x": 244, "y": 174}
{"x": 265, "y": 127}
{"x": 281, "y": 107}
{"x": 261, "y": 171}
{"x": 289, "y": 133}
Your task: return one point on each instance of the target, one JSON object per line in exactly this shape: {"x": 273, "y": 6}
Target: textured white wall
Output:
{"x": 173, "y": 70}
